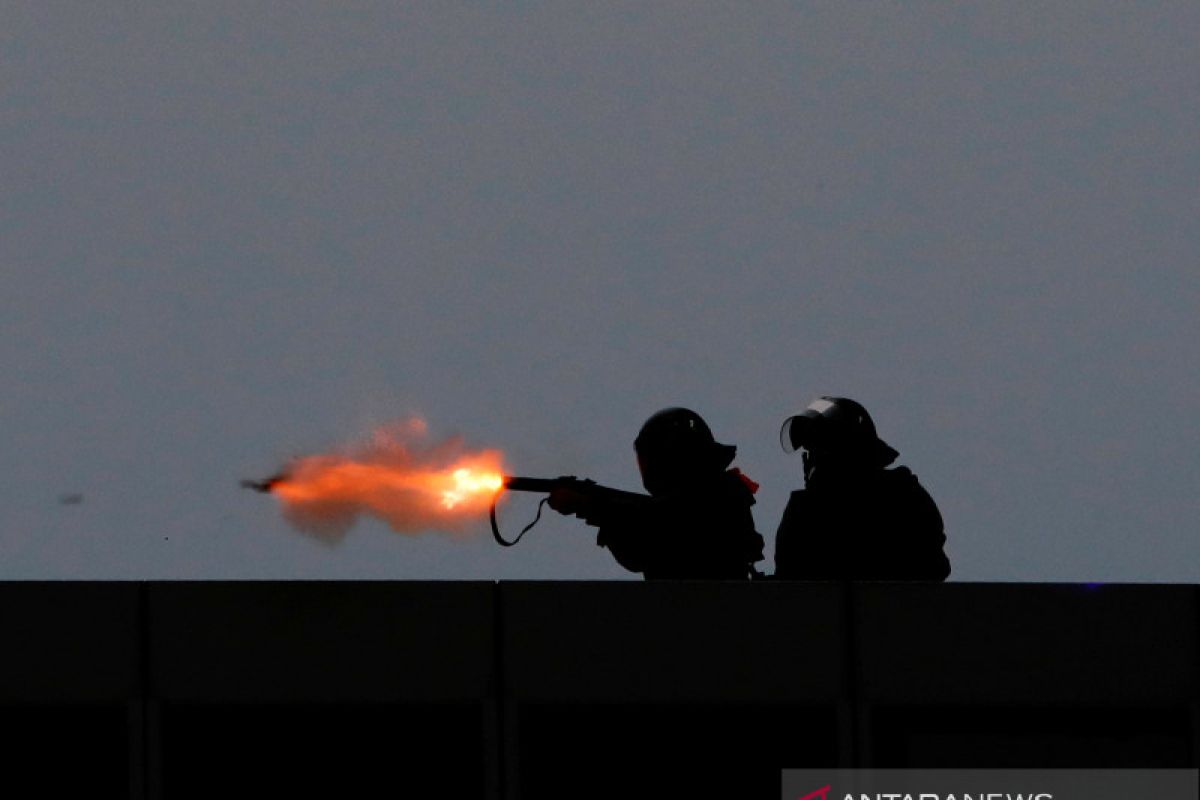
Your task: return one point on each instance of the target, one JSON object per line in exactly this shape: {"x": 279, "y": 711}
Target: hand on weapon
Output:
{"x": 567, "y": 501}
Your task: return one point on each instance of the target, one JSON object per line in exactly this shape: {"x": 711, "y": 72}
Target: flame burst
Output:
{"x": 397, "y": 477}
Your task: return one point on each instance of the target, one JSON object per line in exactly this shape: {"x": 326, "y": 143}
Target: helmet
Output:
{"x": 675, "y": 443}
{"x": 839, "y": 424}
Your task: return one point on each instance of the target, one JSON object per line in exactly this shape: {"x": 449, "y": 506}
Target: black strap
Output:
{"x": 500, "y": 540}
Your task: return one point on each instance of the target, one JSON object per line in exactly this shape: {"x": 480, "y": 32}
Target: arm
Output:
{"x": 807, "y": 543}
{"x": 929, "y": 535}
{"x": 921, "y": 533}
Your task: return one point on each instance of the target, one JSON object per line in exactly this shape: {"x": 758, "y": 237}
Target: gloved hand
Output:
{"x": 569, "y": 502}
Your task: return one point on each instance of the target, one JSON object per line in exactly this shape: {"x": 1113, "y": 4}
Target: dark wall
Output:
{"x": 589, "y": 689}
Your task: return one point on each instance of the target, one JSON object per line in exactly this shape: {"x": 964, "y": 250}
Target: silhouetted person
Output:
{"x": 855, "y": 519}
{"x": 695, "y": 523}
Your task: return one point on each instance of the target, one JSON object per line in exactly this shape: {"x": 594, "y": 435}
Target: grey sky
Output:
{"x": 231, "y": 233}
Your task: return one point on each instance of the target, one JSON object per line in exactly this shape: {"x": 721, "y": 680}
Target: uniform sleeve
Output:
{"x": 787, "y": 538}
{"x": 807, "y": 546}
{"x": 631, "y": 534}
{"x": 928, "y": 536}
{"x": 707, "y": 534}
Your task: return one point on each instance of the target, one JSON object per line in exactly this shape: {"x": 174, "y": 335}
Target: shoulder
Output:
{"x": 903, "y": 487}
{"x": 899, "y": 475}
{"x": 733, "y": 486}
{"x": 900, "y": 479}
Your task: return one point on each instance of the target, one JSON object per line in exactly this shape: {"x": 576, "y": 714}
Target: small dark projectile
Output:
{"x": 263, "y": 486}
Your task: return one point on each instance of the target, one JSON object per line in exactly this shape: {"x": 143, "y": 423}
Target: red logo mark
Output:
{"x": 819, "y": 793}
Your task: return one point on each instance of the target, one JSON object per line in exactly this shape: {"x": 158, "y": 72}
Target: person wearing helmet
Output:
{"x": 855, "y": 519}
{"x": 696, "y": 522}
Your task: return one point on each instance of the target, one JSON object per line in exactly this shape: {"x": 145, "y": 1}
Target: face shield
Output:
{"x": 808, "y": 428}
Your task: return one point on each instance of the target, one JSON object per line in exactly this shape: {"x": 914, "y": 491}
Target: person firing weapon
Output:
{"x": 694, "y": 523}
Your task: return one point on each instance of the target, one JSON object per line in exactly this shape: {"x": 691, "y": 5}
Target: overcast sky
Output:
{"x": 231, "y": 233}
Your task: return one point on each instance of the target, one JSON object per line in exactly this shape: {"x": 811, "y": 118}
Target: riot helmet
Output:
{"x": 838, "y": 427}
{"x": 675, "y": 446}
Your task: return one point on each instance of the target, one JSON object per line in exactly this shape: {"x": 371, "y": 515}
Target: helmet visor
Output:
{"x": 797, "y": 432}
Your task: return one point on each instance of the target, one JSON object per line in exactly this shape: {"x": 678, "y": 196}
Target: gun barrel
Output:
{"x": 516, "y": 483}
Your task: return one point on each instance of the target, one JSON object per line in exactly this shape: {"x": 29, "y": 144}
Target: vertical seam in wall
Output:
{"x": 501, "y": 689}
{"x": 1194, "y": 689}
{"x": 143, "y": 645}
{"x": 853, "y": 673}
